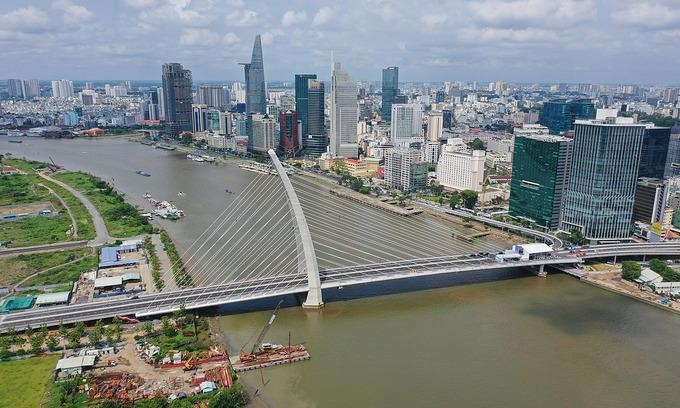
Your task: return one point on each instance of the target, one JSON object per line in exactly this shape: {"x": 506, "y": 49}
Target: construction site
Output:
{"x": 170, "y": 358}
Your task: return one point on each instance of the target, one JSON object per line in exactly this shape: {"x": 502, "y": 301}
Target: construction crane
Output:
{"x": 258, "y": 343}
{"x": 265, "y": 329}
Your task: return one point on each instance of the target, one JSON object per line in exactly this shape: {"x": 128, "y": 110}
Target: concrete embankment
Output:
{"x": 390, "y": 206}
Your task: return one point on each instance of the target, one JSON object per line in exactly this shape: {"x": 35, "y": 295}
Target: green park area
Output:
{"x": 122, "y": 219}
{"x": 16, "y": 268}
{"x": 23, "y": 381}
{"x": 26, "y": 189}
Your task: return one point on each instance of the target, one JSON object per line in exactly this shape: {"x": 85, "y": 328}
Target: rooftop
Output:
{"x": 52, "y": 298}
{"x": 75, "y": 362}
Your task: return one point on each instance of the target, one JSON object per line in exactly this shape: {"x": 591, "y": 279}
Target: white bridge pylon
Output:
{"x": 308, "y": 262}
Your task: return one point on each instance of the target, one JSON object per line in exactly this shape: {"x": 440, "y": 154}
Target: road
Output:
{"x": 74, "y": 224}
{"x": 44, "y": 248}
{"x": 102, "y": 236}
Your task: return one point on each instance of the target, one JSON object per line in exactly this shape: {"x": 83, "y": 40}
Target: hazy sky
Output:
{"x": 612, "y": 41}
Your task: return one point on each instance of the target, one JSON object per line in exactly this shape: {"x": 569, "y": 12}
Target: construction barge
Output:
{"x": 269, "y": 357}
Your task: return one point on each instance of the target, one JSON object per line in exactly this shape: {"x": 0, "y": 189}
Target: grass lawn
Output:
{"x": 15, "y": 268}
{"x": 22, "y": 189}
{"x": 66, "y": 273}
{"x": 36, "y": 230}
{"x": 80, "y": 213}
{"x": 122, "y": 219}
{"x": 23, "y": 381}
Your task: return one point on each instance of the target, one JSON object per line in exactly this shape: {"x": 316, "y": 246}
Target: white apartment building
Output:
{"x": 435, "y": 126}
{"x": 404, "y": 170}
{"x": 407, "y": 124}
{"x": 459, "y": 168}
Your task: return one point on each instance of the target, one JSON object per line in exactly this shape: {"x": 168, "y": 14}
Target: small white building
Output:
{"x": 74, "y": 365}
{"x": 649, "y": 276}
{"x": 668, "y": 288}
{"x": 56, "y": 298}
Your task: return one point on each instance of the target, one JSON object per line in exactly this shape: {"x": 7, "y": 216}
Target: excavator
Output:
{"x": 258, "y": 346}
{"x": 189, "y": 364}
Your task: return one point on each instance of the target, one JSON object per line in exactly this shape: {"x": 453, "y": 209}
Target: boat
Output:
{"x": 143, "y": 173}
{"x": 180, "y": 194}
{"x": 207, "y": 158}
{"x": 15, "y": 141}
{"x": 226, "y": 190}
{"x": 147, "y": 195}
{"x": 165, "y": 146}
{"x": 147, "y": 142}
{"x": 198, "y": 159}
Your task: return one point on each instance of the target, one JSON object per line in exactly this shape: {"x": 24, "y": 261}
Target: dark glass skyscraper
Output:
{"x": 315, "y": 141}
{"x": 302, "y": 101}
{"x": 654, "y": 152}
{"x": 177, "y": 99}
{"x": 559, "y": 115}
{"x": 390, "y": 89}
{"x": 288, "y": 124}
{"x": 540, "y": 172}
{"x": 256, "y": 97}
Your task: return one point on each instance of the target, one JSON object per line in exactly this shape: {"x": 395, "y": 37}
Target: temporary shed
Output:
{"x": 56, "y": 298}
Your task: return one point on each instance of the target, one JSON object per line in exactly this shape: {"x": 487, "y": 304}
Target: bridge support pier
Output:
{"x": 541, "y": 271}
{"x": 314, "y": 299}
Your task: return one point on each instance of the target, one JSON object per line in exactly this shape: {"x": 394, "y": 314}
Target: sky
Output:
{"x": 597, "y": 41}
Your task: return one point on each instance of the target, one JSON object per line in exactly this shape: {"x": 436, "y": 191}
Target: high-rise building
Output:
{"x": 177, "y": 99}
{"x": 256, "y": 94}
{"x": 62, "y": 88}
{"x": 344, "y": 114}
{"x": 213, "y": 96}
{"x": 460, "y": 168}
{"x": 161, "y": 103}
{"x": 262, "y": 133}
{"x": 407, "y": 124}
{"x": 199, "y": 118}
{"x": 435, "y": 125}
{"x": 404, "y": 169}
{"x": 673, "y": 157}
{"x": 447, "y": 118}
{"x": 302, "y": 100}
{"x": 559, "y": 115}
{"x": 604, "y": 172}
{"x": 23, "y": 88}
{"x": 540, "y": 172}
{"x": 289, "y": 140}
{"x": 650, "y": 200}
{"x": 440, "y": 96}
{"x": 226, "y": 123}
{"x": 654, "y": 152}
{"x": 390, "y": 89}
{"x": 315, "y": 142}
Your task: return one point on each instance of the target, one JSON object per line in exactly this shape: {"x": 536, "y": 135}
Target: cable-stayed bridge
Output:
{"x": 281, "y": 238}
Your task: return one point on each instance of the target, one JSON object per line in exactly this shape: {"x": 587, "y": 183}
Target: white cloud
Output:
{"x": 268, "y": 36}
{"x": 523, "y": 13}
{"x": 490, "y": 34}
{"x": 73, "y": 13}
{"x": 194, "y": 13}
{"x": 24, "y": 19}
{"x": 198, "y": 36}
{"x": 140, "y": 4}
{"x": 432, "y": 20}
{"x": 292, "y": 17}
{"x": 648, "y": 15}
{"x": 231, "y": 39}
{"x": 242, "y": 18}
{"x": 322, "y": 16}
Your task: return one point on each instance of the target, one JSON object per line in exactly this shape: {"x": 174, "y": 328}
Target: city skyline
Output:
{"x": 517, "y": 41}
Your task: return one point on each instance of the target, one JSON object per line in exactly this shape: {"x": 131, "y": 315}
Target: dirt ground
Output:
{"x": 611, "y": 279}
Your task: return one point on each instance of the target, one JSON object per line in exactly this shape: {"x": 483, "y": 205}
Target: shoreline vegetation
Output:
{"x": 122, "y": 219}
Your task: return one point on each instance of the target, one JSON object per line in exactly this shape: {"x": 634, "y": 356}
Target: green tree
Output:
{"x": 234, "y": 397}
{"x": 80, "y": 328}
{"x": 454, "y": 200}
{"x": 110, "y": 333}
{"x": 630, "y": 270}
{"x": 36, "y": 343}
{"x": 73, "y": 337}
{"x": 147, "y": 328}
{"x": 52, "y": 343}
{"x": 95, "y": 337}
{"x": 12, "y": 334}
{"x": 657, "y": 265}
{"x": 436, "y": 189}
{"x": 402, "y": 200}
{"x": 167, "y": 328}
{"x": 29, "y": 331}
{"x": 576, "y": 237}
{"x": 375, "y": 190}
{"x": 63, "y": 331}
{"x": 181, "y": 313}
{"x": 477, "y": 144}
{"x": 186, "y": 139}
{"x": 469, "y": 198}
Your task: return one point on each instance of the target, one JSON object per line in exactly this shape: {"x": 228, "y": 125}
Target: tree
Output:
{"x": 181, "y": 313}
{"x": 630, "y": 270}
{"x": 234, "y": 397}
{"x": 52, "y": 343}
{"x": 110, "y": 333}
{"x": 477, "y": 144}
{"x": 43, "y": 331}
{"x": 80, "y": 329}
{"x": 454, "y": 200}
{"x": 36, "y": 344}
{"x": 29, "y": 330}
{"x": 147, "y": 328}
{"x": 73, "y": 339}
{"x": 63, "y": 331}
{"x": 12, "y": 334}
{"x": 375, "y": 190}
{"x": 186, "y": 139}
{"x": 436, "y": 189}
{"x": 402, "y": 200}
{"x": 469, "y": 198}
{"x": 657, "y": 265}
{"x": 167, "y": 328}
{"x": 95, "y": 337}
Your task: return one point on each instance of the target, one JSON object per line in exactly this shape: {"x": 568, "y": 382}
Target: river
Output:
{"x": 526, "y": 342}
